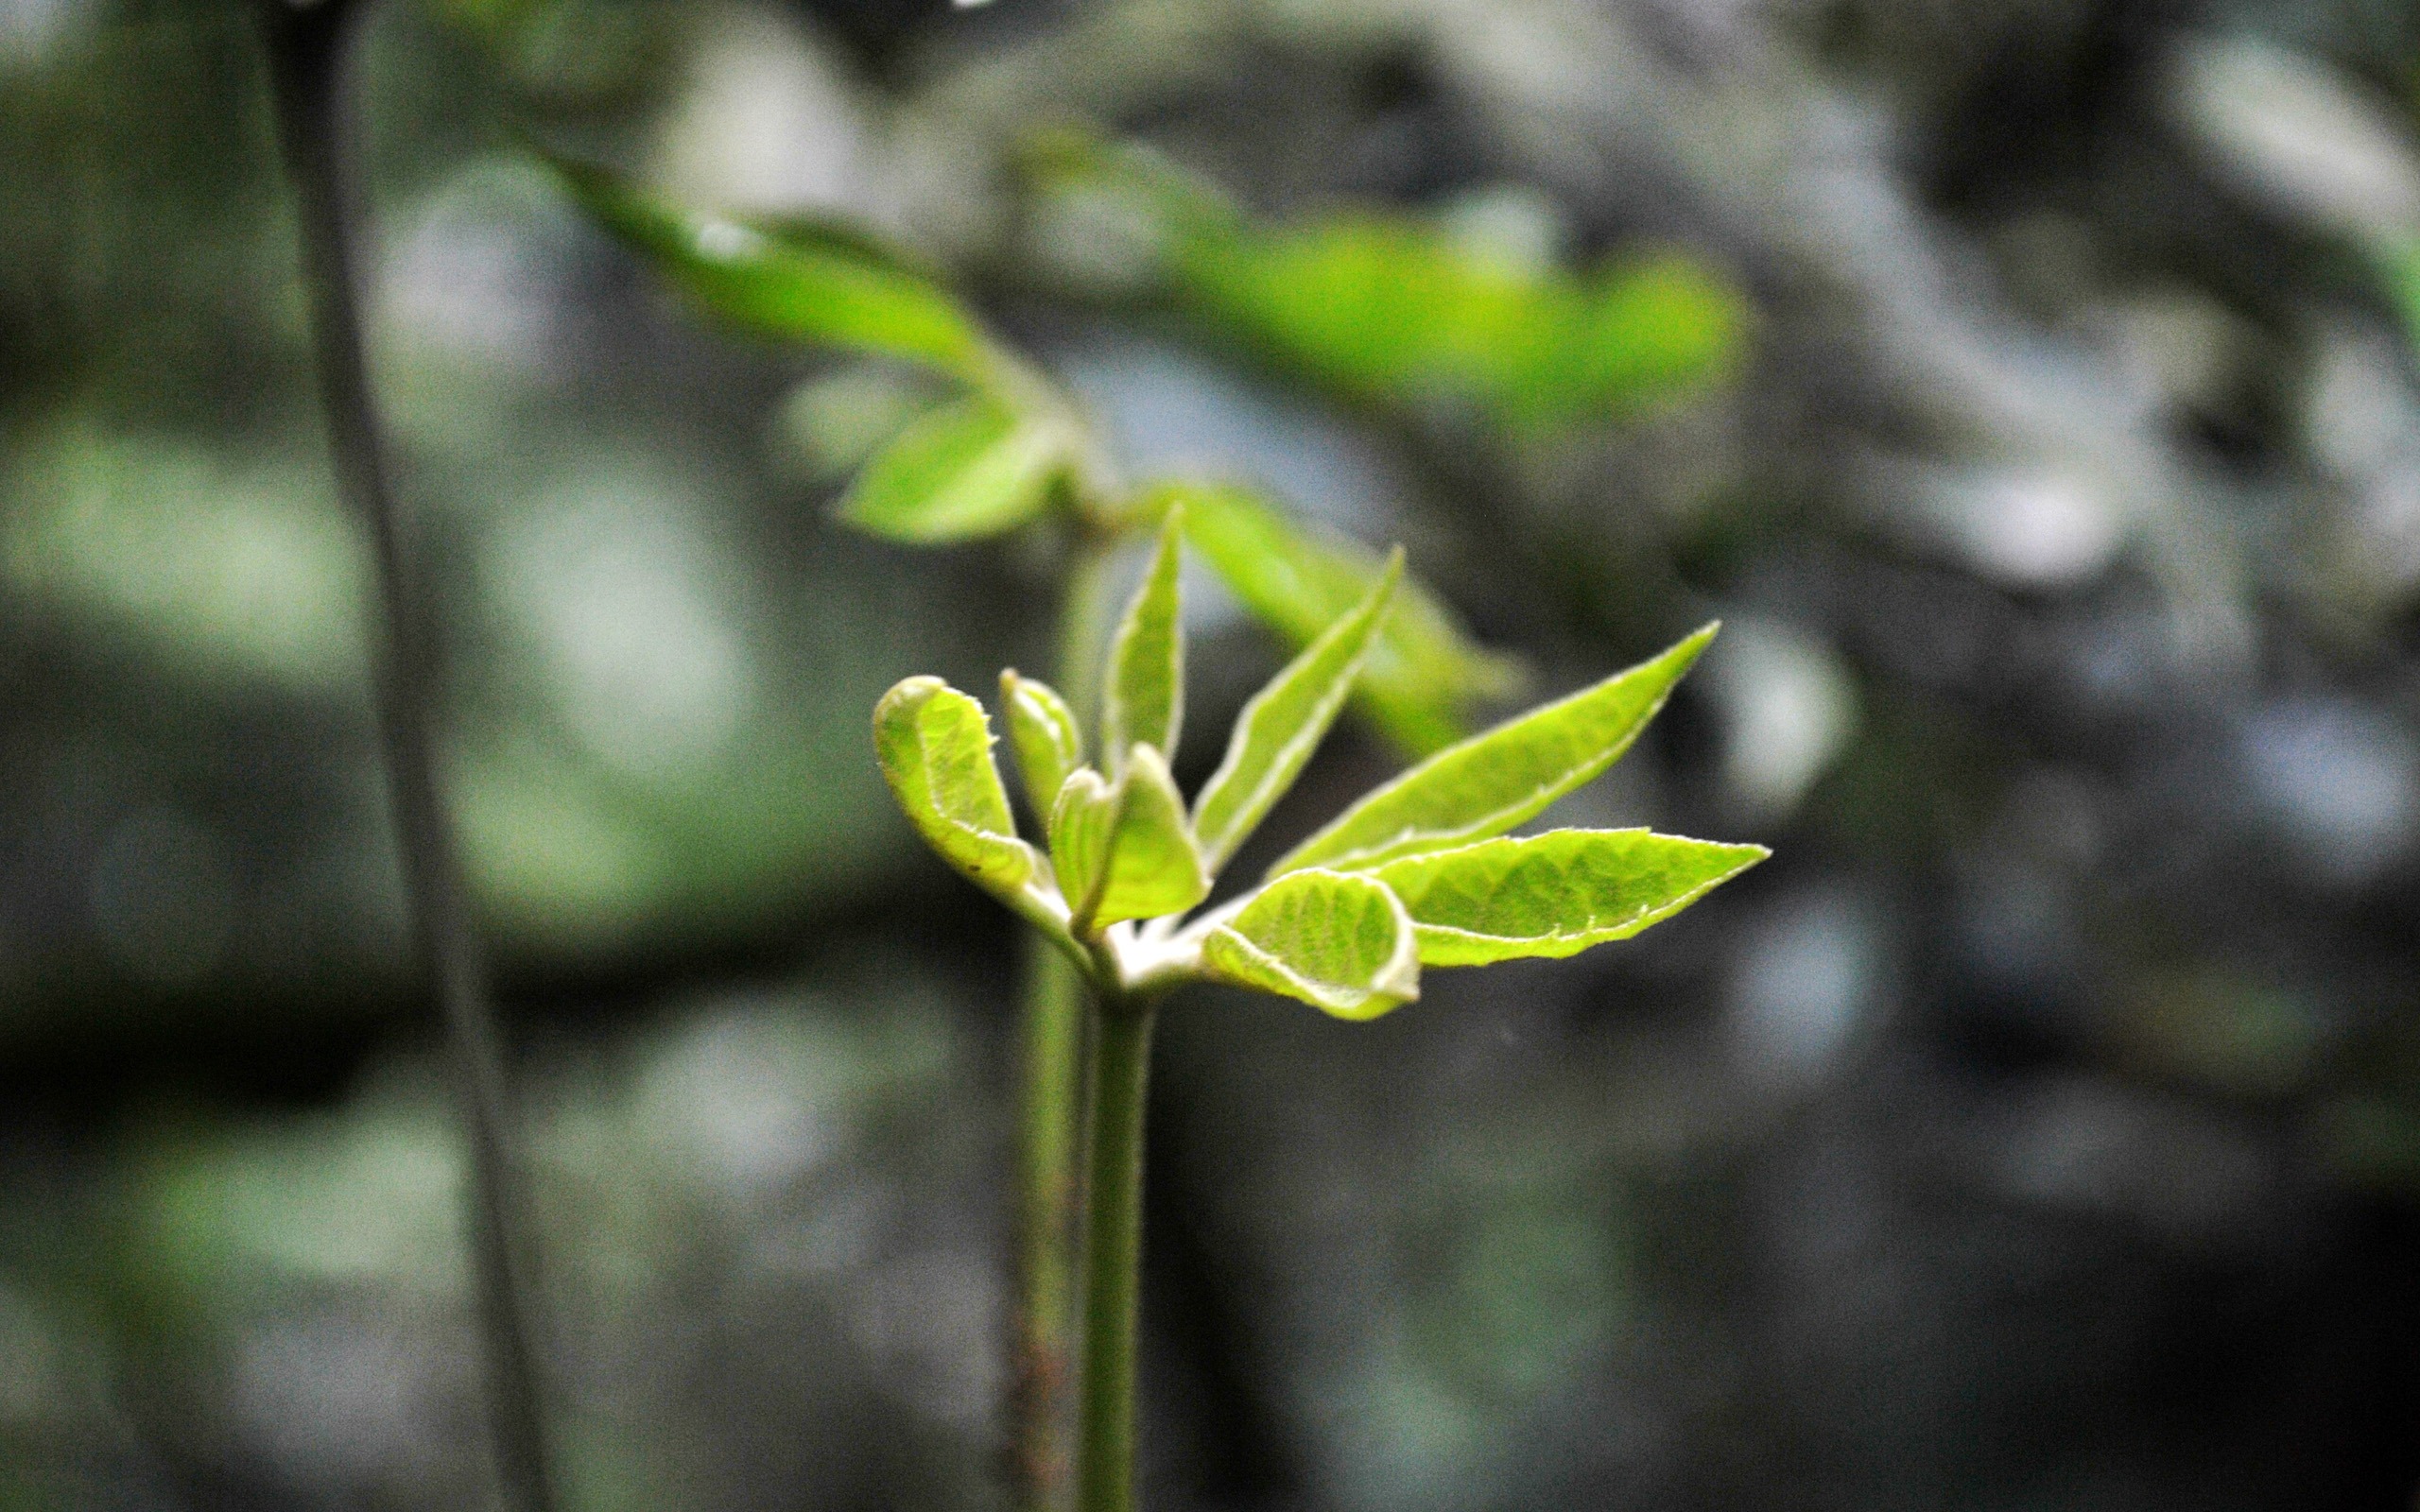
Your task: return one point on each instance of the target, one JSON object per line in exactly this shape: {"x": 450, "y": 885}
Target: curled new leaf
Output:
{"x": 793, "y": 281}
{"x": 1491, "y": 783}
{"x": 968, "y": 469}
{"x": 1285, "y": 722}
{"x": 935, "y": 745}
{"x": 1122, "y": 848}
{"x": 1143, "y": 699}
{"x": 1554, "y": 894}
{"x": 1081, "y": 819}
{"x": 1423, "y": 673}
{"x": 1044, "y": 734}
{"x": 1338, "y": 941}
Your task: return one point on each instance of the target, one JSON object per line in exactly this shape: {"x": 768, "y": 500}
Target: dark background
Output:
{"x": 2040, "y": 1129}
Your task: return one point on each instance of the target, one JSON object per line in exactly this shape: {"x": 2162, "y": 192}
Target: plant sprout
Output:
{"x": 1420, "y": 871}
{"x": 1005, "y": 450}
{"x": 1123, "y": 860}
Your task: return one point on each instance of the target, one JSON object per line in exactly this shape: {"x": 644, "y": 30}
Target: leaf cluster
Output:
{"x": 1421, "y": 871}
{"x": 1005, "y": 448}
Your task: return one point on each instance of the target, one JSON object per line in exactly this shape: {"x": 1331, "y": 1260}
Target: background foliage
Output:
{"x": 2027, "y": 386}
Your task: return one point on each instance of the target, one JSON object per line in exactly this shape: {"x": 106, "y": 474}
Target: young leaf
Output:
{"x": 1082, "y": 821}
{"x": 1337, "y": 941}
{"x": 1554, "y": 894}
{"x": 1143, "y": 697}
{"x": 970, "y": 468}
{"x": 1424, "y": 671}
{"x": 935, "y": 745}
{"x": 1123, "y": 849}
{"x": 1285, "y": 722}
{"x": 1043, "y": 731}
{"x": 1491, "y": 783}
{"x": 1154, "y": 868}
{"x": 794, "y": 282}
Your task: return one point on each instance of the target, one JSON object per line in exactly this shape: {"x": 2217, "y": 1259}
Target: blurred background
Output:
{"x": 2026, "y": 383}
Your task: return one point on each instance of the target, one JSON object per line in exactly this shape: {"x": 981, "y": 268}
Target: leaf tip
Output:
{"x": 907, "y": 690}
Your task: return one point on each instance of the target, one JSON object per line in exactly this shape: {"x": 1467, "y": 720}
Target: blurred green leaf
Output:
{"x": 935, "y": 745}
{"x": 1401, "y": 309}
{"x": 1554, "y": 894}
{"x": 1043, "y": 730}
{"x": 1423, "y": 673}
{"x": 1634, "y": 333}
{"x": 1285, "y": 722}
{"x": 968, "y": 469}
{"x": 1491, "y": 783}
{"x": 796, "y": 280}
{"x": 834, "y": 423}
{"x": 1122, "y": 848}
{"x": 1339, "y": 942}
{"x": 1143, "y": 697}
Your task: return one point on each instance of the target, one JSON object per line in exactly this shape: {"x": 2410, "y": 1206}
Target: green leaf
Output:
{"x": 1409, "y": 311}
{"x": 1285, "y": 722}
{"x": 1491, "y": 783}
{"x": 791, "y": 281}
{"x": 1423, "y": 673}
{"x": 1082, "y": 819}
{"x": 1337, "y": 941}
{"x": 1123, "y": 849}
{"x": 1044, "y": 734}
{"x": 1554, "y": 894}
{"x": 968, "y": 469}
{"x": 1383, "y": 306}
{"x": 1143, "y": 697}
{"x": 1647, "y": 329}
{"x": 935, "y": 745}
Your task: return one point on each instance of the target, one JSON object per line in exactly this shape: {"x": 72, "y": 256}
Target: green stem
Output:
{"x": 1049, "y": 1117}
{"x": 1048, "y": 1146}
{"x": 1121, "y": 1066}
{"x": 305, "y": 51}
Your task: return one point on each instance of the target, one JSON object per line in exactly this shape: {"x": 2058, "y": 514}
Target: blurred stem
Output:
{"x": 305, "y": 53}
{"x": 1119, "y": 1080}
{"x": 1050, "y": 1115}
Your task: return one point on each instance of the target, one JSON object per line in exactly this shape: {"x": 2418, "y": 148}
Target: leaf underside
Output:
{"x": 1554, "y": 894}
{"x": 1339, "y": 942}
{"x": 1492, "y": 781}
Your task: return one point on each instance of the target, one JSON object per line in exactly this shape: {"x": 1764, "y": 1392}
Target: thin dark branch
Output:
{"x": 307, "y": 52}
